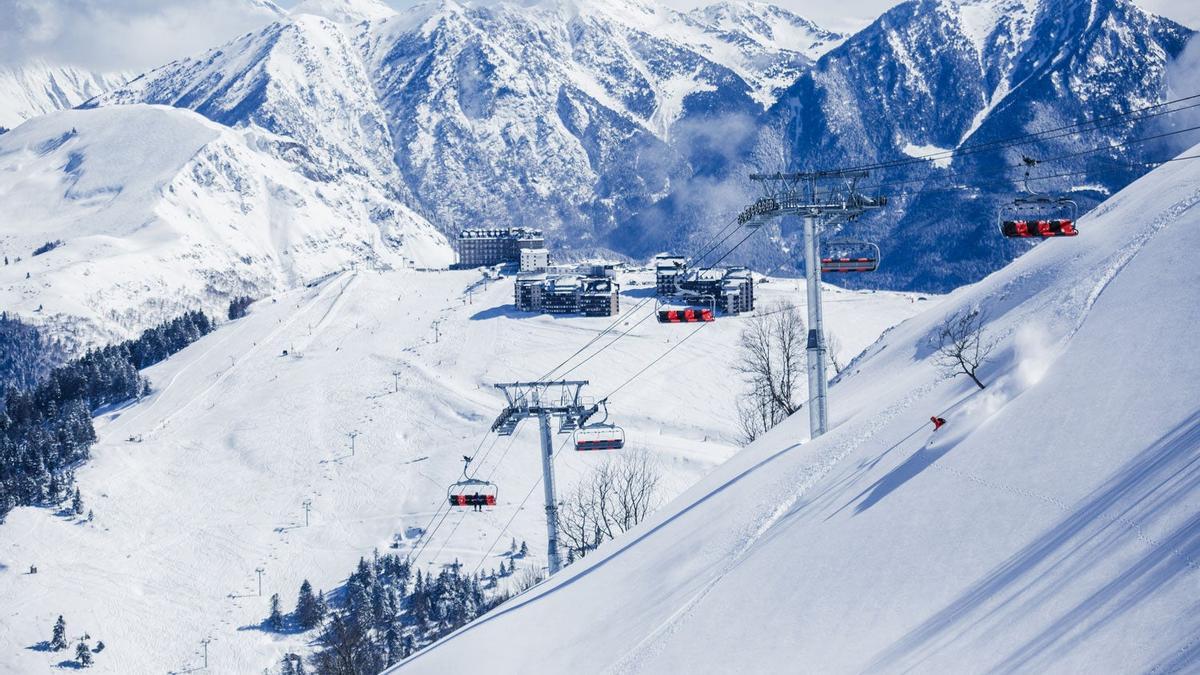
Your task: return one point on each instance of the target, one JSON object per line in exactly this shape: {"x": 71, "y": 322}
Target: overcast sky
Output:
{"x": 140, "y": 34}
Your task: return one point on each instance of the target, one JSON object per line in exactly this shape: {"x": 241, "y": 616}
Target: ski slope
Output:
{"x": 202, "y": 482}
{"x": 1052, "y": 526}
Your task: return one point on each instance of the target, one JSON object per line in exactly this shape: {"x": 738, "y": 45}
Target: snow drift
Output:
{"x": 1052, "y": 525}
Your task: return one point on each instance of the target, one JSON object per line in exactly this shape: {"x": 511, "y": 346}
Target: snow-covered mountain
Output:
{"x": 627, "y": 126}
{"x": 1050, "y": 526}
{"x": 301, "y": 79}
{"x": 773, "y": 46}
{"x": 158, "y": 210}
{"x": 37, "y": 88}
{"x": 568, "y": 115}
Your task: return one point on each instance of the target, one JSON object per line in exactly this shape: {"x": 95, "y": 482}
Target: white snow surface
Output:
{"x": 236, "y": 436}
{"x": 1051, "y": 526}
{"x": 345, "y": 11}
{"x": 160, "y": 211}
{"x": 38, "y": 87}
{"x": 926, "y": 151}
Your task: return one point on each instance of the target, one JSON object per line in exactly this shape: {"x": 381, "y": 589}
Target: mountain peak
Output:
{"x": 346, "y": 11}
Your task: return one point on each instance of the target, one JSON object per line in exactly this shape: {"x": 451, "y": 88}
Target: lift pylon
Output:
{"x": 543, "y": 400}
{"x": 822, "y": 199}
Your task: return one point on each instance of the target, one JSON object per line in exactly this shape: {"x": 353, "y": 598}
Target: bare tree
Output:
{"x": 772, "y": 360}
{"x": 963, "y": 345}
{"x": 756, "y": 415}
{"x": 832, "y": 346}
{"x": 528, "y": 578}
{"x": 619, "y": 494}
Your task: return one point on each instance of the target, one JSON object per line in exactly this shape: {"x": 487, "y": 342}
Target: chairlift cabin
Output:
{"x": 1039, "y": 216}
{"x": 684, "y": 313}
{"x": 601, "y": 435}
{"x": 850, "y": 256}
{"x": 472, "y": 492}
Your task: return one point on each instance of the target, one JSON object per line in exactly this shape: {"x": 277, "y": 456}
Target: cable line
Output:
{"x": 1045, "y": 135}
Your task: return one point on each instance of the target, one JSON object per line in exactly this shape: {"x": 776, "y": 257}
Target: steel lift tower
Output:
{"x": 543, "y": 400}
{"x": 823, "y": 199}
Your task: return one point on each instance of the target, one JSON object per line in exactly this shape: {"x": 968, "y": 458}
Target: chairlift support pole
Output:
{"x": 532, "y": 399}
{"x": 554, "y": 563}
{"x": 822, "y": 199}
{"x": 818, "y": 409}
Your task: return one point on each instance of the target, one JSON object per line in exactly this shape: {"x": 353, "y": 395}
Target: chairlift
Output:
{"x": 602, "y": 435}
{"x": 472, "y": 491}
{"x": 850, "y": 256}
{"x": 684, "y": 314}
{"x": 1038, "y": 215}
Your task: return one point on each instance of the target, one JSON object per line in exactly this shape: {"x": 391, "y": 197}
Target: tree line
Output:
{"x": 384, "y": 613}
{"x": 46, "y": 413}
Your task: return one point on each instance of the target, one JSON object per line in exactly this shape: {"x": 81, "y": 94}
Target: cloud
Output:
{"x": 111, "y": 35}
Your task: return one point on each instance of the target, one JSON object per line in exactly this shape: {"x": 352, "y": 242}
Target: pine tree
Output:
{"x": 275, "y": 618}
{"x": 392, "y": 645}
{"x": 58, "y": 641}
{"x": 83, "y": 655}
{"x": 308, "y": 613}
{"x": 524, "y": 549}
{"x": 77, "y": 503}
{"x": 322, "y": 606}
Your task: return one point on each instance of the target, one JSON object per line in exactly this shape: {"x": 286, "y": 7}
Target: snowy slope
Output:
{"x": 299, "y": 78}
{"x": 237, "y": 436}
{"x": 37, "y": 88}
{"x": 1050, "y": 527}
{"x": 160, "y": 211}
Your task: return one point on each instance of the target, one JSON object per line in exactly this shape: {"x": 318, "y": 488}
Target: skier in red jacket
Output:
{"x": 937, "y": 422}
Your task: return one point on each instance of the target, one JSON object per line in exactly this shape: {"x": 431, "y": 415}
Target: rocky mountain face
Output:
{"x": 934, "y": 75}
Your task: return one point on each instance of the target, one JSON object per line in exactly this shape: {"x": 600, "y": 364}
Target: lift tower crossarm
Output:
{"x": 821, "y": 198}
{"x": 532, "y": 399}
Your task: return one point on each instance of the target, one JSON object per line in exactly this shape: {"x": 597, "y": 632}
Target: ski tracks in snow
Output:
{"x": 787, "y": 492}
{"x": 253, "y": 350}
